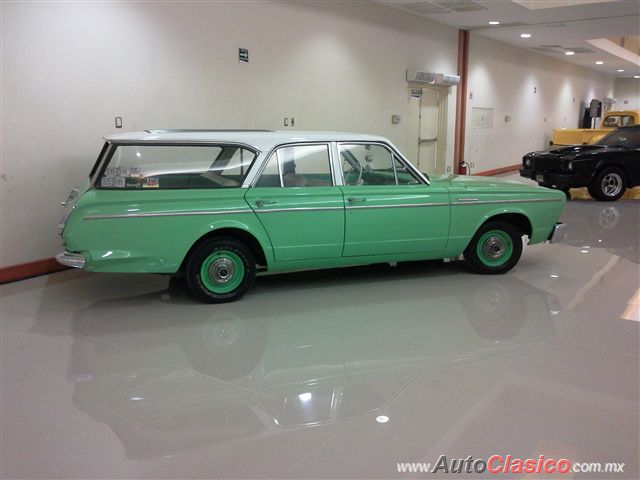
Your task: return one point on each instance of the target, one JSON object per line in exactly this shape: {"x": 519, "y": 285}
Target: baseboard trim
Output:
{"x": 498, "y": 171}
{"x": 30, "y": 269}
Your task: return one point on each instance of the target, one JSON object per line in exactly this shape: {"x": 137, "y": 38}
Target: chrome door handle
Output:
{"x": 354, "y": 200}
{"x": 261, "y": 203}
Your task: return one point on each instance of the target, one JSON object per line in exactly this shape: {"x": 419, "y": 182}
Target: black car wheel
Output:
{"x": 495, "y": 248}
{"x": 608, "y": 185}
{"x": 220, "y": 270}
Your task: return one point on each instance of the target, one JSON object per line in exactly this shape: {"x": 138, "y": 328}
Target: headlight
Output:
{"x": 527, "y": 162}
{"x": 570, "y": 166}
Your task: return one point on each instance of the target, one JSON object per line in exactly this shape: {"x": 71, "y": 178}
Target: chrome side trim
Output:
{"x": 73, "y": 260}
{"x": 164, "y": 214}
{"x": 558, "y": 233}
{"x": 497, "y": 202}
{"x": 400, "y": 205}
{"x": 467, "y": 199}
{"x": 298, "y": 209}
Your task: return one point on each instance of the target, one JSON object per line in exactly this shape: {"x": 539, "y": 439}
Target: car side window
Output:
{"x": 373, "y": 164}
{"x": 176, "y": 167}
{"x": 298, "y": 166}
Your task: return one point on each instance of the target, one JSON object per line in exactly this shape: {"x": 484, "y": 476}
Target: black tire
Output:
{"x": 220, "y": 270}
{"x": 495, "y": 248}
{"x": 608, "y": 185}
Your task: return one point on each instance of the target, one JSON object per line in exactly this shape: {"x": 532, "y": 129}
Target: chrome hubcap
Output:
{"x": 493, "y": 248}
{"x": 222, "y": 270}
{"x": 611, "y": 184}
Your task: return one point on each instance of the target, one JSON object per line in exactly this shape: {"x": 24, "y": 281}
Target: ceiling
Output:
{"x": 593, "y": 29}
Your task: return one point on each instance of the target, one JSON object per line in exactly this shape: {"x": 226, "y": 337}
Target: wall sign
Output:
{"x": 243, "y": 55}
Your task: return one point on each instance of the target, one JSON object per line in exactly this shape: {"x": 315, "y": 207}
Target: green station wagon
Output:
{"x": 216, "y": 206}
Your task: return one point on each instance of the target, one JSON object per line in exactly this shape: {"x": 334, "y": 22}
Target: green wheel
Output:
{"x": 220, "y": 270}
{"x": 495, "y": 248}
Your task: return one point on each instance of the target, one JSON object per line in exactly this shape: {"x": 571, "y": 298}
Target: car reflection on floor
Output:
{"x": 303, "y": 358}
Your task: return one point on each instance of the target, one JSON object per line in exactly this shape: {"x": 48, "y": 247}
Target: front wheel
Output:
{"x": 608, "y": 185}
{"x": 495, "y": 248}
{"x": 220, "y": 270}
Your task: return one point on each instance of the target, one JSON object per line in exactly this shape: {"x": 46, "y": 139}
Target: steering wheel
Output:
{"x": 349, "y": 168}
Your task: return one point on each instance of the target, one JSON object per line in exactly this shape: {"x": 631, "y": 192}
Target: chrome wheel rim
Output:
{"x": 611, "y": 184}
{"x": 222, "y": 270}
{"x": 493, "y": 248}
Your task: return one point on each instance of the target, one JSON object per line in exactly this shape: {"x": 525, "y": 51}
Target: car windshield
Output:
{"x": 176, "y": 166}
{"x": 626, "y": 137}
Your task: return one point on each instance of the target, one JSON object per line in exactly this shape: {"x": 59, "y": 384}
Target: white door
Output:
{"x": 432, "y": 130}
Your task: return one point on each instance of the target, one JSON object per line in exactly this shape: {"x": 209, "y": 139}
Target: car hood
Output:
{"x": 573, "y": 151}
{"x": 479, "y": 183}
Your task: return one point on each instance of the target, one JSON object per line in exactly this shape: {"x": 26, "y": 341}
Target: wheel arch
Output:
{"x": 603, "y": 164}
{"x": 244, "y": 236}
{"x": 517, "y": 219}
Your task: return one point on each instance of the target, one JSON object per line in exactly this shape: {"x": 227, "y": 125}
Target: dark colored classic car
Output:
{"x": 606, "y": 169}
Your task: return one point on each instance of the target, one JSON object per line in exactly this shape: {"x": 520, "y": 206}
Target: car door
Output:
{"x": 300, "y": 207}
{"x": 389, "y": 210}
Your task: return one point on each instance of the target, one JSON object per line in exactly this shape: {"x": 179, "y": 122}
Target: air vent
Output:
{"x": 462, "y": 5}
{"x": 581, "y": 50}
{"x": 559, "y": 49}
{"x": 421, "y": 8}
{"x": 546, "y": 50}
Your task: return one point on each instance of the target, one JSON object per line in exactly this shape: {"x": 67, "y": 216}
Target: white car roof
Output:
{"x": 261, "y": 139}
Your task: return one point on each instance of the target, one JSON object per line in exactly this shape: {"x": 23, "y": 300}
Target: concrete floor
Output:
{"x": 331, "y": 374}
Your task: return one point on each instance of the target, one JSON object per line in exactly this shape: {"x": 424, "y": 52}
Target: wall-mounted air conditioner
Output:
{"x": 416, "y": 76}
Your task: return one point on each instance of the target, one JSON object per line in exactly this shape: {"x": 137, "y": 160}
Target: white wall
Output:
{"x": 627, "y": 91}
{"x": 69, "y": 68}
{"x": 503, "y": 77}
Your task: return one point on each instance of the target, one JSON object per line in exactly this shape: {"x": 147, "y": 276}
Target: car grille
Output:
{"x": 546, "y": 163}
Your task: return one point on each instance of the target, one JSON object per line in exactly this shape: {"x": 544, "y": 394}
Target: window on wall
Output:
{"x": 298, "y": 166}
{"x": 174, "y": 166}
{"x": 373, "y": 164}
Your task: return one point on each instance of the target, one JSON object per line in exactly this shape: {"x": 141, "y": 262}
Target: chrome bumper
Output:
{"x": 73, "y": 260}
{"x": 558, "y": 233}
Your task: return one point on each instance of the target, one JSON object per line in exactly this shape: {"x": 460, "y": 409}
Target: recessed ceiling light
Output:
{"x": 569, "y": 52}
{"x": 621, "y": 70}
{"x": 599, "y": 62}
{"x": 525, "y": 35}
{"x": 636, "y": 76}
{"x": 494, "y": 22}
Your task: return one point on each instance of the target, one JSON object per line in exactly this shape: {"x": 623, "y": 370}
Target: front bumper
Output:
{"x": 73, "y": 260}
{"x": 560, "y": 181}
{"x": 558, "y": 233}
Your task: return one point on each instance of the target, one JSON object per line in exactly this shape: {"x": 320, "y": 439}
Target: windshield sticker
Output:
{"x": 131, "y": 182}
{"x": 120, "y": 172}
{"x": 112, "y": 182}
{"x": 151, "y": 182}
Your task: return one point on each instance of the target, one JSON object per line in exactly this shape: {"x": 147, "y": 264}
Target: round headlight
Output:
{"x": 527, "y": 162}
{"x": 570, "y": 166}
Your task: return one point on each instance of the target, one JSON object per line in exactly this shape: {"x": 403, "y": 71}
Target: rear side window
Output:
{"x": 134, "y": 167}
{"x": 298, "y": 166}
{"x": 618, "y": 121}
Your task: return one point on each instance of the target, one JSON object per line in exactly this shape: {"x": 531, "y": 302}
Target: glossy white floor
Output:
{"x": 333, "y": 374}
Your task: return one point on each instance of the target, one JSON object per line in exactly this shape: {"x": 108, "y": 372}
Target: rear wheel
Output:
{"x": 608, "y": 185}
{"x": 220, "y": 270}
{"x": 495, "y": 248}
